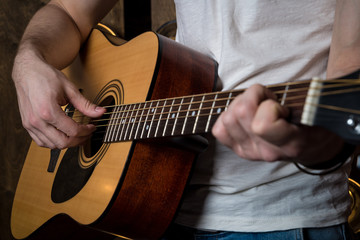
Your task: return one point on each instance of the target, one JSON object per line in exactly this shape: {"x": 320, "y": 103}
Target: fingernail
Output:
{"x": 98, "y": 109}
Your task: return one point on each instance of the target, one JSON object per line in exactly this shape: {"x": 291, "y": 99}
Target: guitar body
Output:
{"x": 130, "y": 188}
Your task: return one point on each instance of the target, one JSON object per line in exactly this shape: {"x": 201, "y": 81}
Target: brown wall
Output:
{"x": 14, "y": 140}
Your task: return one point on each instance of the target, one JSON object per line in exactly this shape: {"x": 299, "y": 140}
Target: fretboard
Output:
{"x": 188, "y": 115}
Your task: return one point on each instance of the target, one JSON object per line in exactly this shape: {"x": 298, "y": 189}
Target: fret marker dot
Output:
{"x": 152, "y": 110}
{"x": 193, "y": 113}
{"x": 219, "y": 110}
{"x": 173, "y": 115}
{"x": 147, "y": 127}
{"x": 132, "y": 120}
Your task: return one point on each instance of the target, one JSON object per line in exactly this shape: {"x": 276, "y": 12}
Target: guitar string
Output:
{"x": 288, "y": 105}
{"x": 344, "y": 83}
{"x": 329, "y": 107}
{"x": 98, "y": 135}
{"x": 350, "y": 82}
{"x": 325, "y": 117}
{"x": 209, "y": 101}
{"x": 137, "y": 122}
{"x": 206, "y": 115}
{"x": 171, "y": 124}
{"x": 206, "y": 108}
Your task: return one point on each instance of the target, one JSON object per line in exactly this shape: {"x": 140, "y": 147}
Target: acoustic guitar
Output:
{"x": 129, "y": 178}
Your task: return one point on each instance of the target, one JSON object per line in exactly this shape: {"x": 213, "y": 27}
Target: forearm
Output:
{"x": 345, "y": 46}
{"x": 57, "y": 41}
{"x": 56, "y": 31}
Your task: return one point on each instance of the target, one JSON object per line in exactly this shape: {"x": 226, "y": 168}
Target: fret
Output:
{"x": 204, "y": 113}
{"x": 140, "y": 121}
{"x": 133, "y": 120}
{"x": 283, "y": 99}
{"x": 110, "y": 127}
{"x": 228, "y": 100}
{"x": 146, "y": 127}
{"x": 120, "y": 120}
{"x": 220, "y": 105}
{"x": 293, "y": 100}
{"x": 116, "y": 123}
{"x": 211, "y": 113}
{"x": 177, "y": 117}
{"x": 198, "y": 113}
{"x": 295, "y": 94}
{"x": 127, "y": 123}
{"x": 170, "y": 119}
{"x": 153, "y": 111}
{"x": 186, "y": 117}
{"x": 160, "y": 118}
{"x": 193, "y": 115}
{"x": 124, "y": 122}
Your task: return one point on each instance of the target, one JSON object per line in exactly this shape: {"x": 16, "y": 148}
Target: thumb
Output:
{"x": 82, "y": 104}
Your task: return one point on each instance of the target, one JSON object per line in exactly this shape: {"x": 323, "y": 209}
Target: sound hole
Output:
{"x": 93, "y": 145}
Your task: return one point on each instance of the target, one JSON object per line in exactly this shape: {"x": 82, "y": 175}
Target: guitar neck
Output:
{"x": 188, "y": 115}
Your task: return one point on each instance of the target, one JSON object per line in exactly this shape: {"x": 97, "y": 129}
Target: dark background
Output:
{"x": 128, "y": 18}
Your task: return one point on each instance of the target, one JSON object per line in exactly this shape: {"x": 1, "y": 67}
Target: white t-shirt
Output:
{"x": 257, "y": 41}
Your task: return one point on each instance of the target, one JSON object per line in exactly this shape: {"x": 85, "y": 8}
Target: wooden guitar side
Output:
{"x": 135, "y": 187}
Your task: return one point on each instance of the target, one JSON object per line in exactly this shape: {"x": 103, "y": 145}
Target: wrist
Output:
{"x": 25, "y": 58}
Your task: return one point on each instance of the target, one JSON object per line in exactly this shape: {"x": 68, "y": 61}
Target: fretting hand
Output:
{"x": 255, "y": 128}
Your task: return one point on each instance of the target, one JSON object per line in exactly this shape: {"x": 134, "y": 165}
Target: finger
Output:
{"x": 233, "y": 126}
{"x": 36, "y": 128}
{"x": 55, "y": 138}
{"x": 69, "y": 126}
{"x": 53, "y": 128}
{"x": 220, "y": 132}
{"x": 48, "y": 137}
{"x": 236, "y": 139}
{"x": 245, "y": 106}
{"x": 77, "y": 141}
{"x": 39, "y": 140}
{"x": 81, "y": 103}
{"x": 235, "y": 122}
{"x": 229, "y": 132}
{"x": 270, "y": 123}
{"x": 239, "y": 117}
